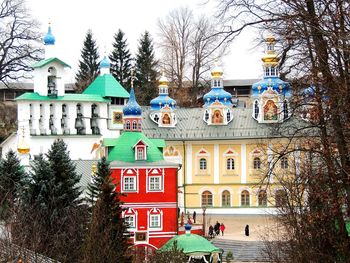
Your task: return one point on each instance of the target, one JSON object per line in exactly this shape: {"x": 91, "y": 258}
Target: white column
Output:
{"x": 103, "y": 118}
{"x": 46, "y": 118}
{"x": 35, "y": 119}
{"x": 244, "y": 163}
{"x": 87, "y": 117}
{"x": 71, "y": 116}
{"x": 216, "y": 164}
{"x": 188, "y": 157}
{"x": 57, "y": 117}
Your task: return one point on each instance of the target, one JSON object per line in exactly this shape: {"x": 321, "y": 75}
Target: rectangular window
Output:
{"x": 154, "y": 221}
{"x": 130, "y": 183}
{"x": 155, "y": 183}
{"x": 140, "y": 155}
{"x": 130, "y": 221}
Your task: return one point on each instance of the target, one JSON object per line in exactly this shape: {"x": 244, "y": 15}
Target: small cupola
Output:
{"x": 132, "y": 114}
{"x": 49, "y": 42}
{"x": 105, "y": 66}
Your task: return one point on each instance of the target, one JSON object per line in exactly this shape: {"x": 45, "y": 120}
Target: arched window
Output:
{"x": 280, "y": 198}
{"x": 284, "y": 163}
{"x": 219, "y": 83}
{"x": 257, "y": 163}
{"x": 226, "y": 198}
{"x": 206, "y": 116}
{"x": 134, "y": 125}
{"x": 156, "y": 118}
{"x": 127, "y": 127}
{"x": 245, "y": 198}
{"x": 267, "y": 71}
{"x": 256, "y": 109}
{"x": 262, "y": 198}
{"x": 207, "y": 198}
{"x": 139, "y": 125}
{"x": 203, "y": 164}
{"x": 285, "y": 110}
{"x": 230, "y": 164}
{"x": 228, "y": 114}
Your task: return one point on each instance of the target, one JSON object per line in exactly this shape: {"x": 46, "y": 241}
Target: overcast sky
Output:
{"x": 70, "y": 20}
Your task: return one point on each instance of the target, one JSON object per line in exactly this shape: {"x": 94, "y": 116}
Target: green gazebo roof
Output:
{"x": 191, "y": 244}
{"x": 44, "y": 62}
{"x": 106, "y": 86}
{"x": 123, "y": 147}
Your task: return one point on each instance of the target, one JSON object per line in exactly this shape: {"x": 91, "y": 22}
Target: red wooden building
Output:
{"x": 147, "y": 180}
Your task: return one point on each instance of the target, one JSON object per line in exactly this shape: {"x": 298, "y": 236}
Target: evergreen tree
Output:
{"x": 106, "y": 240}
{"x": 11, "y": 178}
{"x": 51, "y": 210}
{"x": 146, "y": 86}
{"x": 88, "y": 65}
{"x": 66, "y": 178}
{"x": 121, "y": 60}
{"x": 94, "y": 188}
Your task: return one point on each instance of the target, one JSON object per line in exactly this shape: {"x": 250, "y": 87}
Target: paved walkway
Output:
{"x": 260, "y": 226}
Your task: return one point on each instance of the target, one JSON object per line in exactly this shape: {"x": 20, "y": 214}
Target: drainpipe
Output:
{"x": 184, "y": 174}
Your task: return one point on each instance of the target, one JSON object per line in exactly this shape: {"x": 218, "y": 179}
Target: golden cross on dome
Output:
{"x": 132, "y": 77}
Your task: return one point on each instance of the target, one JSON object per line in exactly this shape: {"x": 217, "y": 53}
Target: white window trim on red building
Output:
{"x": 155, "y": 212}
{"x": 130, "y": 173}
{"x": 155, "y": 172}
{"x": 131, "y": 213}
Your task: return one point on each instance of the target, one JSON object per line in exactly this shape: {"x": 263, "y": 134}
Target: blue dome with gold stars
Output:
{"x": 163, "y": 98}
{"x": 218, "y": 93}
{"x": 49, "y": 39}
{"x": 132, "y": 108}
{"x": 282, "y": 87}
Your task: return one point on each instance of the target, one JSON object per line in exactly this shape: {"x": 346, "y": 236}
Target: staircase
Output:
{"x": 242, "y": 251}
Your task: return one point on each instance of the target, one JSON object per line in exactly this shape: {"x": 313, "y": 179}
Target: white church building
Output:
{"x": 82, "y": 120}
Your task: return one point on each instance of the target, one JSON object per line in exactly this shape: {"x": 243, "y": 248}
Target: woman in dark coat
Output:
{"x": 246, "y": 230}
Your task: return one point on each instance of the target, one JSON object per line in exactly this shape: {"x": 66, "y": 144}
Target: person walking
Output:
{"x": 194, "y": 216}
{"x": 217, "y": 228}
{"x": 222, "y": 228}
{"x": 246, "y": 230}
{"x": 211, "y": 231}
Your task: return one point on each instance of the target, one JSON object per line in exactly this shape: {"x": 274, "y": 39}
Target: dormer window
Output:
{"x": 140, "y": 153}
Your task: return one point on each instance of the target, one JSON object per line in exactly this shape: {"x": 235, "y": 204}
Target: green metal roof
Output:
{"x": 106, "y": 86}
{"x": 191, "y": 244}
{"x": 123, "y": 149}
{"x": 160, "y": 143}
{"x": 66, "y": 97}
{"x": 110, "y": 141}
{"x": 44, "y": 62}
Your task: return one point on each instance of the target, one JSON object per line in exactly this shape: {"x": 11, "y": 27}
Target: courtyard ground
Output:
{"x": 261, "y": 227}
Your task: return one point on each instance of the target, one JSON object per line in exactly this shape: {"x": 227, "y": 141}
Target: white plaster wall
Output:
{"x": 79, "y": 147}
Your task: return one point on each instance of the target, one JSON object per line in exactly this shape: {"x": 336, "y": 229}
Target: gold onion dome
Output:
{"x": 270, "y": 38}
{"x": 270, "y": 56}
{"x": 217, "y": 71}
{"x": 23, "y": 146}
{"x": 163, "y": 81}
